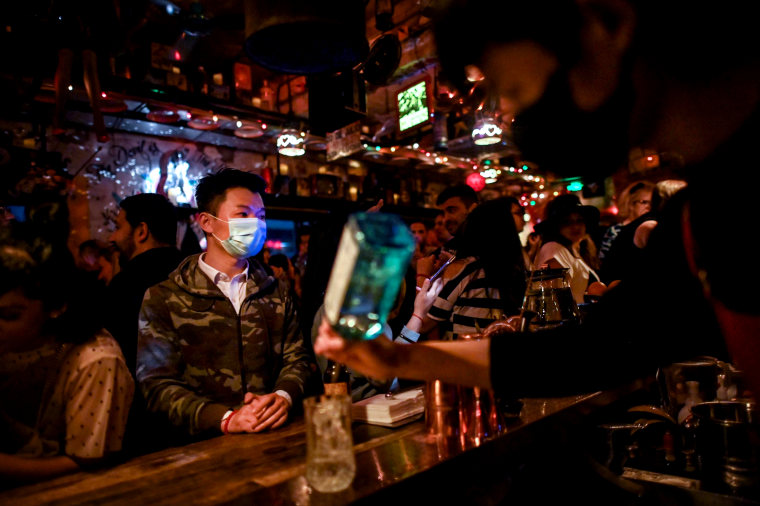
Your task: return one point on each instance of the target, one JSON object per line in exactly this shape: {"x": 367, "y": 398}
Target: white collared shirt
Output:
{"x": 234, "y": 290}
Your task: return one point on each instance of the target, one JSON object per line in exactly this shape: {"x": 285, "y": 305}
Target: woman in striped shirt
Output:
{"x": 487, "y": 281}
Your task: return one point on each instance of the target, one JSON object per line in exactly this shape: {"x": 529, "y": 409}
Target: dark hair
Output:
{"x": 97, "y": 247}
{"x": 156, "y": 212}
{"x": 640, "y": 185}
{"x": 512, "y": 201}
{"x": 677, "y": 37}
{"x": 505, "y": 21}
{"x": 212, "y": 188}
{"x": 463, "y": 191}
{"x": 42, "y": 273}
{"x": 279, "y": 260}
{"x": 18, "y": 271}
{"x": 489, "y": 234}
{"x": 561, "y": 207}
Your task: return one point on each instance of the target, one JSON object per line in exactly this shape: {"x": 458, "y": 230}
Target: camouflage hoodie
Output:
{"x": 193, "y": 348}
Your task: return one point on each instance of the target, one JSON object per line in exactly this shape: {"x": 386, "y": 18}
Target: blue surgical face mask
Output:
{"x": 247, "y": 236}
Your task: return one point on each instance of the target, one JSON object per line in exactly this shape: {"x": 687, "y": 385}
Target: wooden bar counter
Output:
{"x": 268, "y": 468}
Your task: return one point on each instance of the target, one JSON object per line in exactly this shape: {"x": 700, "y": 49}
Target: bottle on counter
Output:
{"x": 336, "y": 379}
{"x": 368, "y": 271}
{"x": 689, "y": 447}
{"x": 668, "y": 445}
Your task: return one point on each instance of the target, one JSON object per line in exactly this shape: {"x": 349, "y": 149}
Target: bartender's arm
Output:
{"x": 461, "y": 362}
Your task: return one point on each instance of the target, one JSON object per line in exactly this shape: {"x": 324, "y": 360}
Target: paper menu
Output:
{"x": 390, "y": 411}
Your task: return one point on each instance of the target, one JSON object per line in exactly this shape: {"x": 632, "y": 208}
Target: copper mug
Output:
{"x": 479, "y": 414}
{"x": 441, "y": 409}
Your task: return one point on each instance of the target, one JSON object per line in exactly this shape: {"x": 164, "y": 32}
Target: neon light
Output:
{"x": 476, "y": 181}
{"x": 486, "y": 132}
{"x": 289, "y": 143}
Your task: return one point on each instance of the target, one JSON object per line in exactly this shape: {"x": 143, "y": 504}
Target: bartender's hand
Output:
{"x": 376, "y": 358}
{"x": 376, "y": 208}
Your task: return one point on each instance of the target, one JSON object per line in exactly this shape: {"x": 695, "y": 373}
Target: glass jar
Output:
{"x": 548, "y": 301}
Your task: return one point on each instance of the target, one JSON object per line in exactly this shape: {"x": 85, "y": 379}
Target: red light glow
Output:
{"x": 475, "y": 181}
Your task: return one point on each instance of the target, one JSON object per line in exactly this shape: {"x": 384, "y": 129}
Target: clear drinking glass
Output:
{"x": 330, "y": 463}
{"x": 372, "y": 258}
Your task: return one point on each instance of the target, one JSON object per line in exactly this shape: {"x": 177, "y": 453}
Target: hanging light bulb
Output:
{"x": 486, "y": 131}
{"x": 290, "y": 143}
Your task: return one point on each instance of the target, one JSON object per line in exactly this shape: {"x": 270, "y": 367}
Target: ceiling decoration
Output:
{"x": 250, "y": 129}
{"x": 192, "y": 61}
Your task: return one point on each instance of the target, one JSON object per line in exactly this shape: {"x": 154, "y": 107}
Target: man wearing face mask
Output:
{"x": 219, "y": 347}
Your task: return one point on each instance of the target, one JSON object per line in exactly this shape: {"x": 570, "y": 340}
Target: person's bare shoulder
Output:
{"x": 643, "y": 231}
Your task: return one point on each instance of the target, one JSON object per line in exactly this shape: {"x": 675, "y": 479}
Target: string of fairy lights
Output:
{"x": 483, "y": 173}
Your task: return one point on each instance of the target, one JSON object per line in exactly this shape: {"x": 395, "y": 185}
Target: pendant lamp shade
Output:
{"x": 305, "y": 36}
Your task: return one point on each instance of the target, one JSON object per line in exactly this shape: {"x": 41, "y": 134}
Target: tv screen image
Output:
{"x": 413, "y": 106}
{"x": 281, "y": 237}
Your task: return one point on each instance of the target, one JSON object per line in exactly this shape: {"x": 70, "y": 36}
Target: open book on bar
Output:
{"x": 393, "y": 411}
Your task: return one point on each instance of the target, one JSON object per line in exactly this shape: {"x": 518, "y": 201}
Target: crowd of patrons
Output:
{"x": 493, "y": 255}
{"x": 107, "y": 352}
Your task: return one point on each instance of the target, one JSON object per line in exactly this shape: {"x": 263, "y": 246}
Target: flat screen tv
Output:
{"x": 413, "y": 103}
{"x": 281, "y": 237}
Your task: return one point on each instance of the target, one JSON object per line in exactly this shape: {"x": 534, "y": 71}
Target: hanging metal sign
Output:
{"x": 344, "y": 141}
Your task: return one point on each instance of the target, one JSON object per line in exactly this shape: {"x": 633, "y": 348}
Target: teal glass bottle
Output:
{"x": 373, "y": 255}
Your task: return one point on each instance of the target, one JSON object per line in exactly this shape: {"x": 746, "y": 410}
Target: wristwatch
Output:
{"x": 407, "y": 336}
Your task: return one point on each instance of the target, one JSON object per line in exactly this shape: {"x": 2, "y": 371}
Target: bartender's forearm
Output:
{"x": 465, "y": 363}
